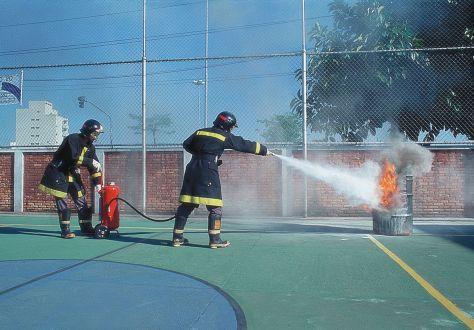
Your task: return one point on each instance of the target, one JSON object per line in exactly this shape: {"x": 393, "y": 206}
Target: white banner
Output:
{"x": 11, "y": 88}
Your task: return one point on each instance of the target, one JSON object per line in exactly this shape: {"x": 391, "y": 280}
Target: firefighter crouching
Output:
{"x": 62, "y": 176}
{"x": 201, "y": 184}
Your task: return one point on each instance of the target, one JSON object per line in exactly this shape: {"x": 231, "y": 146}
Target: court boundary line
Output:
{"x": 448, "y": 304}
{"x": 60, "y": 270}
{"x": 239, "y": 313}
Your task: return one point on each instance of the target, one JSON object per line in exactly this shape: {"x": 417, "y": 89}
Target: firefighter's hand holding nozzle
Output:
{"x": 98, "y": 188}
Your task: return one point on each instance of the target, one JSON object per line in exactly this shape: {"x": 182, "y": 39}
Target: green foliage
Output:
{"x": 156, "y": 124}
{"x": 353, "y": 89}
{"x": 282, "y": 128}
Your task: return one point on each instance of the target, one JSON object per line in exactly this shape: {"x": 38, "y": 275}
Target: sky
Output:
{"x": 70, "y": 32}
{"x": 39, "y": 32}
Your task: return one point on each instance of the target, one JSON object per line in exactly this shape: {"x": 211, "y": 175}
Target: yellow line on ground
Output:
{"x": 428, "y": 287}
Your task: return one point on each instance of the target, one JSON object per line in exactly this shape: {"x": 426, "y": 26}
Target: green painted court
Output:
{"x": 279, "y": 273}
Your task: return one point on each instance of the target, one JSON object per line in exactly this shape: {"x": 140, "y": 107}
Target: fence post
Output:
{"x": 305, "y": 114}
{"x": 286, "y": 195}
{"x": 409, "y": 191}
{"x": 18, "y": 181}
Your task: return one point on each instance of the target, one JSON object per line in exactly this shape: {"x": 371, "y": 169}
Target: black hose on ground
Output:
{"x": 140, "y": 213}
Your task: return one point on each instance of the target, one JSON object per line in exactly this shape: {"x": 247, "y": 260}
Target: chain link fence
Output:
{"x": 374, "y": 68}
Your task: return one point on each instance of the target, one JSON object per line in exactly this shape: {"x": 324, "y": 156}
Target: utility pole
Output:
{"x": 206, "y": 77}
{"x": 144, "y": 112}
{"x": 304, "y": 92}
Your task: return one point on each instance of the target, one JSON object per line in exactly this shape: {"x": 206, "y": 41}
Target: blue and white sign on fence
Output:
{"x": 11, "y": 88}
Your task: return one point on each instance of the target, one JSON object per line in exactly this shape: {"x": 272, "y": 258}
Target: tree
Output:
{"x": 155, "y": 124}
{"x": 445, "y": 23}
{"x": 282, "y": 128}
{"x": 353, "y": 89}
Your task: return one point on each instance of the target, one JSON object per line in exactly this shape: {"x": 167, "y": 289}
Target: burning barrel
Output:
{"x": 395, "y": 223}
{"x": 392, "y": 219}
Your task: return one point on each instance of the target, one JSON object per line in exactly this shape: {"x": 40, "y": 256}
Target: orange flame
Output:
{"x": 388, "y": 185}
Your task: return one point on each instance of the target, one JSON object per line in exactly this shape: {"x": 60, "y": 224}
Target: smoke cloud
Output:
{"x": 409, "y": 158}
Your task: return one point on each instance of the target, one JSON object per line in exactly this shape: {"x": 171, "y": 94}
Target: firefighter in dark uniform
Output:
{"x": 62, "y": 176}
{"x": 201, "y": 184}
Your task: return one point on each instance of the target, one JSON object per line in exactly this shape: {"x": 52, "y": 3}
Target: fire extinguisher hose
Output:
{"x": 140, "y": 213}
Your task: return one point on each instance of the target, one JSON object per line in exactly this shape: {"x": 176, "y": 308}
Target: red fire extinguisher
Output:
{"x": 109, "y": 211}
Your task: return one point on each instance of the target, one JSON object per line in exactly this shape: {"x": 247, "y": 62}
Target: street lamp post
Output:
{"x": 82, "y": 100}
{"x": 198, "y": 83}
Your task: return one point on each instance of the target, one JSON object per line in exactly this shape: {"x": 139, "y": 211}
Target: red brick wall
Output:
{"x": 248, "y": 182}
{"x": 440, "y": 193}
{"x": 251, "y": 185}
{"x": 34, "y": 200}
{"x": 164, "y": 176}
{"x": 6, "y": 182}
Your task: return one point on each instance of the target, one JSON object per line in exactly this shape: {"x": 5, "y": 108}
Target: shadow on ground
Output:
{"x": 460, "y": 234}
{"x": 48, "y": 233}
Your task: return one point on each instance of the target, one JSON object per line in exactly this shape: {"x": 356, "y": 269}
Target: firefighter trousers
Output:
{"x": 214, "y": 220}
{"x": 84, "y": 212}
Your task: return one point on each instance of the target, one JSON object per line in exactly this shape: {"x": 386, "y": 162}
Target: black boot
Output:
{"x": 65, "y": 224}
{"x": 85, "y": 221}
{"x": 179, "y": 241}
{"x": 178, "y": 231}
{"x": 216, "y": 242}
{"x": 214, "y": 230}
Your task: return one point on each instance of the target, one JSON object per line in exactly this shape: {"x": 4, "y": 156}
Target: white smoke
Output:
{"x": 409, "y": 158}
{"x": 358, "y": 185}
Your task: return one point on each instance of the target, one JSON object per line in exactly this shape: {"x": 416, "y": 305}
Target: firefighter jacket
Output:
{"x": 201, "y": 184}
{"x": 63, "y": 170}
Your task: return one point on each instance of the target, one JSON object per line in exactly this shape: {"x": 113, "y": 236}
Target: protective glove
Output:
{"x": 98, "y": 188}
{"x": 269, "y": 153}
{"x": 96, "y": 165}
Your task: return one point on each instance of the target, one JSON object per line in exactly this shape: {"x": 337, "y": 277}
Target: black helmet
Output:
{"x": 91, "y": 126}
{"x": 225, "y": 120}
